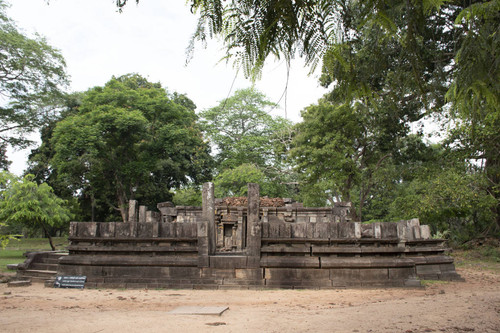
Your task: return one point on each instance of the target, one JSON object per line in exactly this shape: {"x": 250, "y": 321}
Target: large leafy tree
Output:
{"x": 23, "y": 201}
{"x": 244, "y": 132}
{"x": 128, "y": 140}
{"x": 242, "y": 129}
{"x": 338, "y": 149}
{"x": 32, "y": 74}
{"x": 380, "y": 85}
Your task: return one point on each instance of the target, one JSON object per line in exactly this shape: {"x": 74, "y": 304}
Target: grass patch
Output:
{"x": 486, "y": 257}
{"x": 427, "y": 283}
{"x": 37, "y": 244}
{"x": 13, "y": 253}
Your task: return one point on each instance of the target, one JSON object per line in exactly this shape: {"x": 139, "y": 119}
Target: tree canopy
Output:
{"x": 242, "y": 129}
{"x": 32, "y": 76}
{"x": 248, "y": 138}
{"x": 25, "y": 202}
{"x": 128, "y": 140}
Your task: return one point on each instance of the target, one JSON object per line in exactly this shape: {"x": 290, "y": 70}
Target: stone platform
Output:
{"x": 253, "y": 247}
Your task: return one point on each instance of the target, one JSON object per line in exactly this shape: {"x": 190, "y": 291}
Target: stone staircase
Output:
{"x": 38, "y": 267}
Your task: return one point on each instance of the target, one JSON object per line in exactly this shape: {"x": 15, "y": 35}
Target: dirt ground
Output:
{"x": 471, "y": 306}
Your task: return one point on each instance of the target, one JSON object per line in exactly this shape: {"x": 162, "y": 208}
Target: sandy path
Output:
{"x": 471, "y": 306}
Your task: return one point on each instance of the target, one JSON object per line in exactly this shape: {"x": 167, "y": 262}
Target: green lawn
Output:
{"x": 13, "y": 253}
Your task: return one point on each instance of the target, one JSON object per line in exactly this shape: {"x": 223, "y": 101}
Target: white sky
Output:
{"x": 149, "y": 39}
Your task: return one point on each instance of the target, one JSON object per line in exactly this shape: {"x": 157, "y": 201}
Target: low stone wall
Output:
{"x": 253, "y": 247}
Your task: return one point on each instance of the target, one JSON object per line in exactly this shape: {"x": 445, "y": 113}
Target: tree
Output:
{"x": 129, "y": 140}
{"x": 338, "y": 148}
{"x": 32, "y": 205}
{"x": 32, "y": 74}
{"x": 241, "y": 128}
{"x": 411, "y": 160}
{"x": 474, "y": 93}
{"x": 244, "y": 133}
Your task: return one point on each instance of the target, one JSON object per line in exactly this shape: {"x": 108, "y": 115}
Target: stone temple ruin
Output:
{"x": 252, "y": 245}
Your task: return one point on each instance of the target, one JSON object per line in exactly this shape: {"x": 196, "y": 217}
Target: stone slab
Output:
{"x": 199, "y": 310}
{"x": 12, "y": 267}
{"x": 24, "y": 283}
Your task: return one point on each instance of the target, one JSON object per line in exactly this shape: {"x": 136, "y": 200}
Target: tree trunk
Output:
{"x": 121, "y": 196}
{"x": 48, "y": 236}
{"x": 122, "y": 206}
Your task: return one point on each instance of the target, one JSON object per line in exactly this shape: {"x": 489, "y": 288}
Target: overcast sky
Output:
{"x": 150, "y": 39}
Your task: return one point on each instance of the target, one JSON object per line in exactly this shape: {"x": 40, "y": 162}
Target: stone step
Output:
{"x": 12, "y": 267}
{"x": 51, "y": 259}
{"x": 43, "y": 267}
{"x": 34, "y": 273}
{"x": 19, "y": 283}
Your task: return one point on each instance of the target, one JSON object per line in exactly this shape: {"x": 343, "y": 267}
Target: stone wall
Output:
{"x": 253, "y": 247}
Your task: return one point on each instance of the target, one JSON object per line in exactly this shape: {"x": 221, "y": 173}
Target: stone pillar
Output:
{"x": 152, "y": 216}
{"x": 142, "y": 214}
{"x": 253, "y": 225}
{"x": 132, "y": 211}
{"x": 208, "y": 208}
{"x": 377, "y": 230}
{"x": 425, "y": 232}
{"x": 201, "y": 232}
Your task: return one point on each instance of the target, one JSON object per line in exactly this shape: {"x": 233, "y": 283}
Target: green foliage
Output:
{"x": 4, "y": 162}
{"x": 128, "y": 140}
{"x": 474, "y": 93}
{"x": 31, "y": 77}
{"x": 35, "y": 206}
{"x": 325, "y": 148}
{"x": 190, "y": 196}
{"x": 448, "y": 199}
{"x": 441, "y": 234}
{"x": 253, "y": 30}
{"x": 338, "y": 148}
{"x": 242, "y": 130}
{"x": 247, "y": 138}
{"x": 233, "y": 182}
{"x": 5, "y": 239}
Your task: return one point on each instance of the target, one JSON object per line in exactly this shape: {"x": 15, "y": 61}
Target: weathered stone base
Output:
{"x": 271, "y": 278}
{"x": 231, "y": 272}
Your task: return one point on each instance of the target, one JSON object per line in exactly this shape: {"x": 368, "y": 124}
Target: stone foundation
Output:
{"x": 253, "y": 247}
